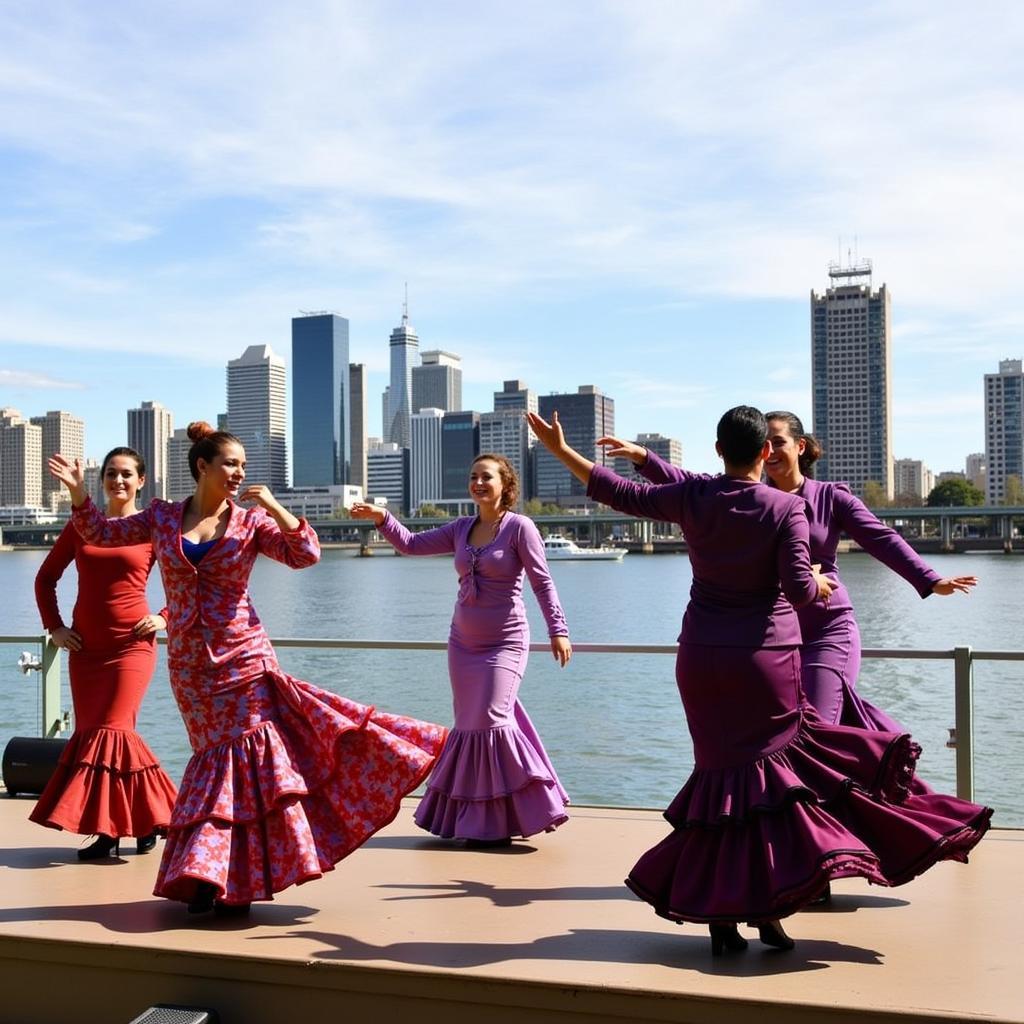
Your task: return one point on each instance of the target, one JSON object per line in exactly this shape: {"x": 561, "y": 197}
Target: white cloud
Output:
{"x": 25, "y": 379}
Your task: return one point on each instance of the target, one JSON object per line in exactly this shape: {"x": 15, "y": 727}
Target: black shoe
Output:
{"x": 823, "y": 898}
{"x": 104, "y": 846}
{"x": 726, "y": 937}
{"x": 771, "y": 934}
{"x": 222, "y": 909}
{"x": 203, "y": 901}
{"x": 488, "y": 844}
{"x": 144, "y": 844}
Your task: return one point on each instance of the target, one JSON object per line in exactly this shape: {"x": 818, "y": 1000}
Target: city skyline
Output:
{"x": 646, "y": 192}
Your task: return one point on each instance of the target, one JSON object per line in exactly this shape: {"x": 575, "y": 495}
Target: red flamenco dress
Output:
{"x": 108, "y": 782}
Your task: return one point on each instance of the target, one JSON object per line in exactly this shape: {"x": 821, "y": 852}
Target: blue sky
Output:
{"x": 635, "y": 195}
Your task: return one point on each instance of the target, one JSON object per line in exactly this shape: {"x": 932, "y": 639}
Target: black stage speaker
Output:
{"x": 165, "y": 1013}
{"x": 29, "y": 762}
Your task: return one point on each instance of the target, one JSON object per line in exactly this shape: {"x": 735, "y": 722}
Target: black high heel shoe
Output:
{"x": 144, "y": 844}
{"x": 771, "y": 934}
{"x": 203, "y": 901}
{"x": 103, "y": 846}
{"x": 726, "y": 937}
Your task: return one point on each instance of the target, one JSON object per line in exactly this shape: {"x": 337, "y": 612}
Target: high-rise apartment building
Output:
{"x": 437, "y": 382}
{"x": 1004, "y": 428}
{"x": 585, "y": 416}
{"x": 257, "y": 416}
{"x": 93, "y": 484}
{"x": 852, "y": 378}
{"x": 425, "y": 473}
{"x": 149, "y": 431}
{"x": 357, "y": 423}
{"x": 460, "y": 445}
{"x": 507, "y": 433}
{"x": 180, "y": 484}
{"x": 912, "y": 479}
{"x": 975, "y": 466}
{"x": 404, "y": 349}
{"x": 64, "y": 433}
{"x": 321, "y": 401}
{"x": 515, "y": 397}
{"x": 387, "y": 471}
{"x": 21, "y": 461}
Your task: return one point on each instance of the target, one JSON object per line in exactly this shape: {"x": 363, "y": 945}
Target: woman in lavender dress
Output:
{"x": 493, "y": 780}
{"x": 778, "y": 802}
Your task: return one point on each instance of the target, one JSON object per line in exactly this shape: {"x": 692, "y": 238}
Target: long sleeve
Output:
{"x": 657, "y": 471}
{"x": 530, "y": 548}
{"x": 882, "y": 542}
{"x": 439, "y": 541}
{"x": 295, "y": 548}
{"x": 95, "y": 528}
{"x": 794, "y": 560}
{"x": 646, "y": 501}
{"x": 61, "y": 555}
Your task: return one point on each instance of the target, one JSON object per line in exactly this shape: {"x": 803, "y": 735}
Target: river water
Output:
{"x": 612, "y": 724}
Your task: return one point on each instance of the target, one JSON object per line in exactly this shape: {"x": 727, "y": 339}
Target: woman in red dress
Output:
{"x": 285, "y": 779}
{"x": 108, "y": 782}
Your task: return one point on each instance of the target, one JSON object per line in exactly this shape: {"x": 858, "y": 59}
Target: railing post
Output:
{"x": 963, "y": 667}
{"x": 49, "y": 680}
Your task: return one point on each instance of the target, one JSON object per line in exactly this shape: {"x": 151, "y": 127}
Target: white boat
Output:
{"x": 558, "y": 548}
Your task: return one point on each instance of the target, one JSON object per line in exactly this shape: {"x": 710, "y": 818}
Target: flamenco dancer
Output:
{"x": 494, "y": 780}
{"x": 285, "y": 779}
{"x": 108, "y": 783}
{"x": 778, "y": 803}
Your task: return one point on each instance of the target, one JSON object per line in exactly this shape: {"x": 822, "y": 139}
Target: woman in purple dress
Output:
{"x": 493, "y": 780}
{"x": 778, "y": 802}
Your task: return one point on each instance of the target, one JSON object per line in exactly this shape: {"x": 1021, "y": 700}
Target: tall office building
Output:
{"x": 425, "y": 476}
{"x": 1004, "y": 428}
{"x": 460, "y": 445}
{"x": 387, "y": 473}
{"x": 975, "y": 466}
{"x": 321, "y": 438}
{"x": 257, "y": 402}
{"x": 180, "y": 484}
{"x": 912, "y": 479}
{"x": 149, "y": 431}
{"x": 357, "y": 423}
{"x": 21, "y": 461}
{"x": 404, "y": 349}
{"x": 437, "y": 382}
{"x": 64, "y": 433}
{"x": 93, "y": 484}
{"x": 851, "y": 375}
{"x": 515, "y": 396}
{"x": 585, "y": 416}
{"x": 507, "y": 433}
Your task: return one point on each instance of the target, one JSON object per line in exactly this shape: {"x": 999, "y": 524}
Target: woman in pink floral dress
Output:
{"x": 285, "y": 779}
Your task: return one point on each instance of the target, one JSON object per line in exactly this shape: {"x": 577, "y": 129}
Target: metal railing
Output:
{"x": 53, "y": 719}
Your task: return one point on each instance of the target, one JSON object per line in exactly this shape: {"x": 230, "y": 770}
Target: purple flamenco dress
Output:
{"x": 779, "y": 802}
{"x": 493, "y": 779}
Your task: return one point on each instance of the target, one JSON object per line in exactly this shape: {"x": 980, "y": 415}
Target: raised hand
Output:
{"x": 549, "y": 434}
{"x": 70, "y": 474}
{"x": 954, "y": 585}
{"x": 259, "y": 494}
{"x": 636, "y": 453}
{"x": 361, "y": 510}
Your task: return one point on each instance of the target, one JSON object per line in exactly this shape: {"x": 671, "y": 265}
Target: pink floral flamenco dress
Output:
{"x": 285, "y": 778}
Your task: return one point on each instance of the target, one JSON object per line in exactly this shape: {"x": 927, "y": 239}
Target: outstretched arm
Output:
{"x": 551, "y": 436}
{"x": 439, "y": 541}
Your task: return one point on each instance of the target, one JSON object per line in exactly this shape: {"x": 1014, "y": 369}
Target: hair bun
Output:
{"x": 198, "y": 430}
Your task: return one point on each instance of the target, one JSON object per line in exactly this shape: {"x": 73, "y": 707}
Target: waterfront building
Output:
{"x": 257, "y": 402}
{"x": 321, "y": 400}
{"x": 425, "y": 474}
{"x": 357, "y": 423}
{"x": 404, "y": 350}
{"x": 180, "y": 484}
{"x": 1004, "y": 428}
{"x": 327, "y": 502}
{"x": 387, "y": 474}
{"x": 21, "y": 461}
{"x": 975, "y": 466}
{"x": 585, "y": 416}
{"x": 460, "y": 445}
{"x": 437, "y": 382}
{"x": 912, "y": 480}
{"x": 63, "y": 432}
{"x": 507, "y": 433}
{"x": 149, "y": 431}
{"x": 852, "y": 378}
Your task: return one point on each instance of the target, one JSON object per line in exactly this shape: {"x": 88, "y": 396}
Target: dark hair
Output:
{"x": 509, "y": 479}
{"x": 131, "y": 453}
{"x": 812, "y": 447}
{"x": 742, "y": 432}
{"x": 206, "y": 443}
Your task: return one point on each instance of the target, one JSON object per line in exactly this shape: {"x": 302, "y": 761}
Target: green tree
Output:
{"x": 535, "y": 507}
{"x": 955, "y": 491}
{"x": 874, "y": 495}
{"x": 1014, "y": 491}
{"x": 428, "y": 511}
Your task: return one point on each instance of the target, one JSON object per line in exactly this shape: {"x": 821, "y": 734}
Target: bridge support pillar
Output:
{"x": 945, "y": 533}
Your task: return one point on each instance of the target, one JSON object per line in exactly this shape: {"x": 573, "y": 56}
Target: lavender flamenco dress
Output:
{"x": 493, "y": 779}
{"x": 779, "y": 802}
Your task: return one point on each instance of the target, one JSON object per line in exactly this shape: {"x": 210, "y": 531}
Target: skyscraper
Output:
{"x": 585, "y": 416}
{"x": 256, "y": 414}
{"x": 425, "y": 476}
{"x": 507, "y": 433}
{"x": 64, "y": 433}
{"x": 437, "y": 382}
{"x": 1004, "y": 428}
{"x": 404, "y": 347}
{"x": 515, "y": 396}
{"x": 321, "y": 441}
{"x": 180, "y": 484}
{"x": 21, "y": 460}
{"x": 851, "y": 376}
{"x": 460, "y": 445}
{"x": 357, "y": 423}
{"x": 149, "y": 430}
